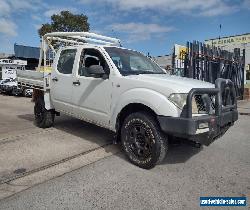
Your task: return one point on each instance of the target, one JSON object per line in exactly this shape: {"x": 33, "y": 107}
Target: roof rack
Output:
{"x": 81, "y": 38}
{"x": 55, "y": 40}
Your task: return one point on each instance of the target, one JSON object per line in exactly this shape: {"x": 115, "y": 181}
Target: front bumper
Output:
{"x": 206, "y": 128}
{"x": 6, "y": 89}
{"x": 17, "y": 91}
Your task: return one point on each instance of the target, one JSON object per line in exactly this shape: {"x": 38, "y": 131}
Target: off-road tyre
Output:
{"x": 142, "y": 140}
{"x": 14, "y": 92}
{"x": 25, "y": 93}
{"x": 43, "y": 118}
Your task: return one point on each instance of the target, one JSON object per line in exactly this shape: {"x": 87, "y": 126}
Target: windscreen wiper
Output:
{"x": 141, "y": 72}
{"x": 150, "y": 72}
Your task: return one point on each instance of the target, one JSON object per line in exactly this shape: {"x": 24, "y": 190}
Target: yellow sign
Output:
{"x": 47, "y": 69}
{"x": 180, "y": 51}
{"x": 241, "y": 39}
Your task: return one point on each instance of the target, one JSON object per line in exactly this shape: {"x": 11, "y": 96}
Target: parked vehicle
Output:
{"x": 1, "y": 81}
{"x": 16, "y": 91}
{"x": 126, "y": 92}
{"x": 5, "y": 80}
{"x": 8, "y": 85}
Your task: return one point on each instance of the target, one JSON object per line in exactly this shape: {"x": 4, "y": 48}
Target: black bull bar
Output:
{"x": 217, "y": 120}
{"x": 221, "y": 86}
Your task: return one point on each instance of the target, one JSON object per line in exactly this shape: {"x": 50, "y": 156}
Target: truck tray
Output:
{"x": 31, "y": 79}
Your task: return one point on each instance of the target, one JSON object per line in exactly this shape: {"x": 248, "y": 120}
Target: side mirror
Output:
{"x": 96, "y": 70}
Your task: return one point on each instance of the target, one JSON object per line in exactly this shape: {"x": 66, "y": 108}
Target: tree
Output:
{"x": 65, "y": 22}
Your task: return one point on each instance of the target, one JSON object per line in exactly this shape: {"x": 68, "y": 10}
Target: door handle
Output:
{"x": 76, "y": 83}
{"x": 54, "y": 79}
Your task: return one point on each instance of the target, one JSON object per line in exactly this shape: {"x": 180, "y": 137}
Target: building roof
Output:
{"x": 224, "y": 37}
{"x": 22, "y": 51}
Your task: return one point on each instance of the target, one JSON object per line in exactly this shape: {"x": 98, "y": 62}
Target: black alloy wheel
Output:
{"x": 142, "y": 140}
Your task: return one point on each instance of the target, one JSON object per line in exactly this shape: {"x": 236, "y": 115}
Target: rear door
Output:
{"x": 62, "y": 79}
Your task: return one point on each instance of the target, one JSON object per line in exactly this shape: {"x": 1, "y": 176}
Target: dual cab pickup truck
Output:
{"x": 126, "y": 92}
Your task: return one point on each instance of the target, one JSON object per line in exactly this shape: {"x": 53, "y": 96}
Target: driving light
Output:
{"x": 178, "y": 99}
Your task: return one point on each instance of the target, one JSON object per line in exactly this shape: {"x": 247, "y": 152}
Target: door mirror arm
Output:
{"x": 105, "y": 76}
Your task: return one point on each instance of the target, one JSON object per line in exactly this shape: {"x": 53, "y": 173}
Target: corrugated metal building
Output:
{"x": 30, "y": 54}
{"x": 22, "y": 51}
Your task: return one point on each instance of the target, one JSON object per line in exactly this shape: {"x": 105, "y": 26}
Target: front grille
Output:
{"x": 203, "y": 104}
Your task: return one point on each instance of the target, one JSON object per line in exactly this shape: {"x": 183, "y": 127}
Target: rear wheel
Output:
{"x": 26, "y": 93}
{"x": 43, "y": 118}
{"x": 142, "y": 140}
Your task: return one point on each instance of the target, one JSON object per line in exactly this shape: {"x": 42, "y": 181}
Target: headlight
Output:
{"x": 178, "y": 99}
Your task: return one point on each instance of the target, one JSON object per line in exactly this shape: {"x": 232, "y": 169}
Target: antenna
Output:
{"x": 220, "y": 32}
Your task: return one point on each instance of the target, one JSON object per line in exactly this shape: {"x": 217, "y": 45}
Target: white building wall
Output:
{"x": 8, "y": 67}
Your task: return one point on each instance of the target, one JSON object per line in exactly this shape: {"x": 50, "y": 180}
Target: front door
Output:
{"x": 91, "y": 95}
{"x": 62, "y": 80}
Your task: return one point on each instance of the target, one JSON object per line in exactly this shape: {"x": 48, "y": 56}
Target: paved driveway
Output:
{"x": 222, "y": 169}
{"x": 26, "y": 148}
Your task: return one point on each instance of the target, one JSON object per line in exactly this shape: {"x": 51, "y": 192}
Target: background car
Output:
{"x": 8, "y": 86}
{"x": 16, "y": 91}
{"x": 3, "y": 82}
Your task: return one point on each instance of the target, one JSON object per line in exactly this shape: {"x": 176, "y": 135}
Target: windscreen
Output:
{"x": 132, "y": 62}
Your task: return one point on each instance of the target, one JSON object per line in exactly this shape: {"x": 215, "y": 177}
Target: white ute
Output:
{"x": 94, "y": 79}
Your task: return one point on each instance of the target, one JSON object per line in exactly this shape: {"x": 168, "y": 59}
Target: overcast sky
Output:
{"x": 146, "y": 25}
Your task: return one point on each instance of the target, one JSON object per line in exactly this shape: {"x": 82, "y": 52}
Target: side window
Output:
{"x": 91, "y": 57}
{"x": 66, "y": 61}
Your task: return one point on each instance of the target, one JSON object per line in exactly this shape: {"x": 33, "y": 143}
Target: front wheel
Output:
{"x": 15, "y": 92}
{"x": 43, "y": 118}
{"x": 142, "y": 140}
